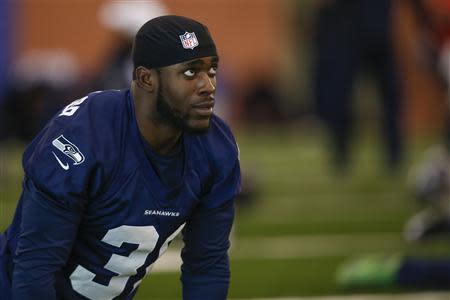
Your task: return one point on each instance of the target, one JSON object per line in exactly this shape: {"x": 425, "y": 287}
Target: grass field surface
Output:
{"x": 406, "y": 296}
{"x": 301, "y": 223}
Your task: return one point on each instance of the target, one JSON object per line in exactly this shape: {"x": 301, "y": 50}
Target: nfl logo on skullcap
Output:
{"x": 189, "y": 40}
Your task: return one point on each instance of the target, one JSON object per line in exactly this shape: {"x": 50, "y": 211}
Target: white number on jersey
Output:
{"x": 70, "y": 109}
{"x": 145, "y": 237}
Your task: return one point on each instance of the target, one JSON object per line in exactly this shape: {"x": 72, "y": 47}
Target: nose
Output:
{"x": 206, "y": 84}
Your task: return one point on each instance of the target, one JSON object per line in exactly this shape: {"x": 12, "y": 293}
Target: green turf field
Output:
{"x": 304, "y": 219}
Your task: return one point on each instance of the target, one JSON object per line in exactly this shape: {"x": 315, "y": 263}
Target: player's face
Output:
{"x": 186, "y": 94}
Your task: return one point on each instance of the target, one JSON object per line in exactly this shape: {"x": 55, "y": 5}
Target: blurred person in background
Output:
{"x": 6, "y": 49}
{"x": 351, "y": 36}
{"x": 6, "y": 13}
{"x": 38, "y": 84}
{"x": 431, "y": 177}
{"x": 262, "y": 100}
{"x": 116, "y": 175}
{"x": 123, "y": 19}
{"x": 429, "y": 180}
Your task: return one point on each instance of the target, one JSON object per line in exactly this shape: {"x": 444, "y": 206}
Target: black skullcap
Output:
{"x": 168, "y": 40}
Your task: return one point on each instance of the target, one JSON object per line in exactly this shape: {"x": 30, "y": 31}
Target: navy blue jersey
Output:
{"x": 95, "y": 213}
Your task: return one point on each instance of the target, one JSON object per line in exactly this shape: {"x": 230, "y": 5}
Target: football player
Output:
{"x": 117, "y": 174}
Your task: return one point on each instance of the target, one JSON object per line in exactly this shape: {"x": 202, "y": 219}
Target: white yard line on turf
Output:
{"x": 321, "y": 245}
{"x": 295, "y": 246}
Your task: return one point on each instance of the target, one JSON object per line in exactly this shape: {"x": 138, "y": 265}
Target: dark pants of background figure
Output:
{"x": 352, "y": 34}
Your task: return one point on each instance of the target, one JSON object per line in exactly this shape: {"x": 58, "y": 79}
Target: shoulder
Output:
{"x": 81, "y": 142}
{"x": 101, "y": 106}
{"x": 219, "y": 148}
{"x": 90, "y": 122}
{"x": 219, "y": 142}
{"x": 92, "y": 113}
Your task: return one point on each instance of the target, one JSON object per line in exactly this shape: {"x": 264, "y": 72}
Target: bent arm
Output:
{"x": 205, "y": 270}
{"x": 48, "y": 231}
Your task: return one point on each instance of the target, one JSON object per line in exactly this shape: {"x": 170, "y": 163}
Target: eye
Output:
{"x": 213, "y": 71}
{"x": 189, "y": 73}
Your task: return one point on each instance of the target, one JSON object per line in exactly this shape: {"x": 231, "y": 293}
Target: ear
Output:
{"x": 146, "y": 78}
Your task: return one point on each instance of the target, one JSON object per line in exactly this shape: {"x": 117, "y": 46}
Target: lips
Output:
{"x": 204, "y": 108}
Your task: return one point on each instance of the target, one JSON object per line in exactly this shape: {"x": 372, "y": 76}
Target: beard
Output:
{"x": 172, "y": 117}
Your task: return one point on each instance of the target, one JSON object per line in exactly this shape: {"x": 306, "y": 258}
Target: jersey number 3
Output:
{"x": 145, "y": 237}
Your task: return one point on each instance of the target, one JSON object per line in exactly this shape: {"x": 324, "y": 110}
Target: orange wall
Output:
{"x": 70, "y": 25}
{"x": 245, "y": 30}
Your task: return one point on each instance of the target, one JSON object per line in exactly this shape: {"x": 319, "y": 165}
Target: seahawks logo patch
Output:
{"x": 69, "y": 149}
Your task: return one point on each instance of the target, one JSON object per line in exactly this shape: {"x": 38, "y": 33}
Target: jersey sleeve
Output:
{"x": 63, "y": 170}
{"x": 76, "y": 149}
{"x": 48, "y": 230}
{"x": 205, "y": 269}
